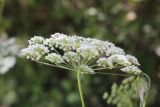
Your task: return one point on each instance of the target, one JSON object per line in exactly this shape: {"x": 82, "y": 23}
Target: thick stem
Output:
{"x": 80, "y": 88}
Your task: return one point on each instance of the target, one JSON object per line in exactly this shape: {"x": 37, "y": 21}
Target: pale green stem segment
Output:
{"x": 80, "y": 88}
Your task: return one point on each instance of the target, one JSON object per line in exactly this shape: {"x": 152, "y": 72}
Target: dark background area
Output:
{"x": 133, "y": 25}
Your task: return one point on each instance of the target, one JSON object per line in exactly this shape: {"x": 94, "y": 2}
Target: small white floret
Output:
{"x": 54, "y": 58}
{"x": 131, "y": 69}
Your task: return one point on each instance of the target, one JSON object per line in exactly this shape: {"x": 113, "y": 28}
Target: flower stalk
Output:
{"x": 80, "y": 87}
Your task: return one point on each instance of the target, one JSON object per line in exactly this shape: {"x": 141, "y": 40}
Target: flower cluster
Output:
{"x": 75, "y": 52}
{"x": 54, "y": 58}
{"x": 8, "y": 51}
{"x": 130, "y": 69}
{"x": 35, "y": 51}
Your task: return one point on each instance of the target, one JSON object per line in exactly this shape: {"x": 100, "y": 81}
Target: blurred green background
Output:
{"x": 133, "y": 25}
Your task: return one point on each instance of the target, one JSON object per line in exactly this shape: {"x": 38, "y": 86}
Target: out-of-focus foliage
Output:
{"x": 122, "y": 96}
{"x": 131, "y": 24}
{"x": 129, "y": 91}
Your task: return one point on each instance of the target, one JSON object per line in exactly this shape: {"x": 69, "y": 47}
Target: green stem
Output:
{"x": 80, "y": 88}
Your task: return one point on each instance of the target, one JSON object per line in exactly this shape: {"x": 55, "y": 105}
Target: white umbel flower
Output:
{"x": 61, "y": 41}
{"x": 36, "y": 40}
{"x": 50, "y": 43}
{"x": 86, "y": 69}
{"x": 54, "y": 58}
{"x": 133, "y": 60}
{"x": 99, "y": 45}
{"x": 119, "y": 59}
{"x": 114, "y": 50}
{"x": 35, "y": 52}
{"x": 74, "y": 51}
{"x": 131, "y": 69}
{"x": 103, "y": 62}
{"x": 59, "y": 36}
{"x": 71, "y": 57}
{"x": 87, "y": 51}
